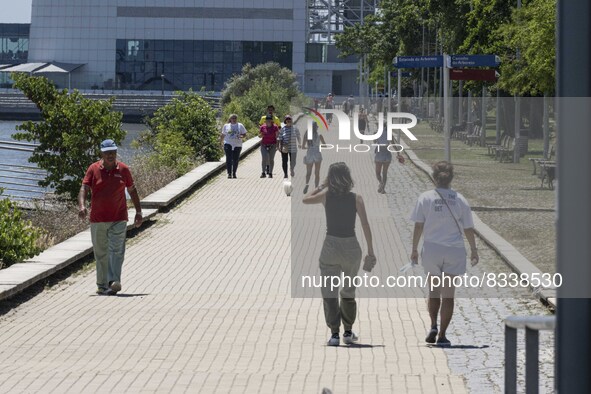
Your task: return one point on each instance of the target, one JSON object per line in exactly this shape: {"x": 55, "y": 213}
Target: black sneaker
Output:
{"x": 270, "y": 175}
{"x": 334, "y": 340}
{"x": 349, "y": 337}
{"x": 234, "y": 176}
{"x": 263, "y": 175}
{"x": 229, "y": 176}
{"x": 431, "y": 335}
{"x": 284, "y": 176}
{"x": 305, "y": 189}
{"x": 443, "y": 342}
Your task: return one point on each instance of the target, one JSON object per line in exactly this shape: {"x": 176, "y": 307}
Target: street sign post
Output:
{"x": 418, "y": 61}
{"x": 475, "y": 61}
{"x": 467, "y": 74}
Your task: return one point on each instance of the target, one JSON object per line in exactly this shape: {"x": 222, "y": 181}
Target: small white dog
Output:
{"x": 287, "y": 187}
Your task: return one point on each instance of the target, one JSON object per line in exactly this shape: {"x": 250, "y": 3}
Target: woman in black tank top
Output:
{"x": 341, "y": 253}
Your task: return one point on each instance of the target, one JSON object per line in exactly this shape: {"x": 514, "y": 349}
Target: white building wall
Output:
{"x": 85, "y": 31}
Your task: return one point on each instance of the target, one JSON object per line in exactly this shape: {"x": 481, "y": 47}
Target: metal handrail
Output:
{"x": 532, "y": 325}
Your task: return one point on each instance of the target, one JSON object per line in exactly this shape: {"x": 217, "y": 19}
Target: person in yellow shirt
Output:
{"x": 270, "y": 111}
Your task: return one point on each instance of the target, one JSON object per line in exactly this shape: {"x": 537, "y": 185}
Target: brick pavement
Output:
{"x": 206, "y": 307}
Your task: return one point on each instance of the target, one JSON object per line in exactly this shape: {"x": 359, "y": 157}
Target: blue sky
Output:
{"x": 15, "y": 11}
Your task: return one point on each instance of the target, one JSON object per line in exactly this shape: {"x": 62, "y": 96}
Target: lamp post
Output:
{"x": 162, "y": 77}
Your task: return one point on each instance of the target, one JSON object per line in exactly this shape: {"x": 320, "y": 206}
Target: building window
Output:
{"x": 190, "y": 64}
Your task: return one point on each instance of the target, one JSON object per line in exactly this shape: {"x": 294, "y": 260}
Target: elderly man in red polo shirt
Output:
{"x": 107, "y": 179}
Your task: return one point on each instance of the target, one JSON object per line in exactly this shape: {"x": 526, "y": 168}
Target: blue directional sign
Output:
{"x": 404, "y": 74}
{"x": 418, "y": 61}
{"x": 458, "y": 61}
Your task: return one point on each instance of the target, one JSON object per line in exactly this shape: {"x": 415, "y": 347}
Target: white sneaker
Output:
{"x": 334, "y": 340}
{"x": 115, "y": 286}
{"x": 349, "y": 337}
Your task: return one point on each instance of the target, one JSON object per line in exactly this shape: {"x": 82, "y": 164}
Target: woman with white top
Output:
{"x": 383, "y": 158}
{"x": 444, "y": 217}
{"x": 313, "y": 156}
{"x": 231, "y": 139}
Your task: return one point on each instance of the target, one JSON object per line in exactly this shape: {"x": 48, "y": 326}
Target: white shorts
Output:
{"x": 438, "y": 259}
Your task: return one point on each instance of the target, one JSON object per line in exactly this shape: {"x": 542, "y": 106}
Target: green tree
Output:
{"x": 532, "y": 29}
{"x": 190, "y": 116}
{"x": 250, "y": 76}
{"x": 18, "y": 238}
{"x": 69, "y": 133}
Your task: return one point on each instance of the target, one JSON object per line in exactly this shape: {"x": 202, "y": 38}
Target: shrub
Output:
{"x": 171, "y": 151}
{"x": 191, "y": 117}
{"x": 18, "y": 238}
{"x": 149, "y": 175}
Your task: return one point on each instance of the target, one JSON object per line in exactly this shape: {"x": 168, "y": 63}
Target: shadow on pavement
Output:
{"x": 459, "y": 347}
{"x": 361, "y": 346}
{"x": 131, "y": 295}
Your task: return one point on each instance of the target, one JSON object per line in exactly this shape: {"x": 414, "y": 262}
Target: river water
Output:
{"x": 17, "y": 181}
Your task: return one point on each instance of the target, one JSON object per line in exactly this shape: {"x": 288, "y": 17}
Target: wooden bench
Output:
{"x": 506, "y": 151}
{"x": 475, "y": 136}
{"x": 537, "y": 160}
{"x": 547, "y": 174}
{"x": 492, "y": 148}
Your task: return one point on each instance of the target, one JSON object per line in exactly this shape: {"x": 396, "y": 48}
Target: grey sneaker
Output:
{"x": 349, "y": 337}
{"x": 102, "y": 291}
{"x": 334, "y": 340}
{"x": 115, "y": 286}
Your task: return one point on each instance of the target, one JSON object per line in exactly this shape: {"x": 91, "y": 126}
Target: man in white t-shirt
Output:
{"x": 443, "y": 216}
{"x": 231, "y": 139}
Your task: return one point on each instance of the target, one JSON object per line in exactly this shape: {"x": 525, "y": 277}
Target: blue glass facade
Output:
{"x": 196, "y": 64}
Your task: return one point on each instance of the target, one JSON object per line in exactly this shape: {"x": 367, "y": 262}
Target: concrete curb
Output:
{"x": 19, "y": 277}
{"x": 183, "y": 185}
{"x": 510, "y": 255}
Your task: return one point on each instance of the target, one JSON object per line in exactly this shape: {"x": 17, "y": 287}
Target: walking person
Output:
{"x": 268, "y": 134}
{"x": 313, "y": 157}
{"x": 289, "y": 140}
{"x": 341, "y": 253}
{"x": 444, "y": 217}
{"x": 107, "y": 180}
{"x": 329, "y": 104}
{"x": 383, "y": 158}
{"x": 270, "y": 111}
{"x": 231, "y": 139}
{"x": 362, "y": 122}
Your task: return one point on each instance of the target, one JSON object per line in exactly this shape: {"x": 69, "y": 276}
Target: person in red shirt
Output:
{"x": 268, "y": 133}
{"x": 107, "y": 180}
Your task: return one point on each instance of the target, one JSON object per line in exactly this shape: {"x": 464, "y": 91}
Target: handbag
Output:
{"x": 451, "y": 212}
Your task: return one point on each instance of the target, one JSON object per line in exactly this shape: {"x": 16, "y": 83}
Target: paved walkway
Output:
{"x": 207, "y": 307}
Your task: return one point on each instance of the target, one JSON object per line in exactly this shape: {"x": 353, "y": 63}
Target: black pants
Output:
{"x": 292, "y": 158}
{"x": 232, "y": 157}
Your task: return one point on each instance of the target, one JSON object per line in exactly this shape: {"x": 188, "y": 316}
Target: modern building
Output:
{"x": 198, "y": 44}
{"x": 14, "y": 46}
